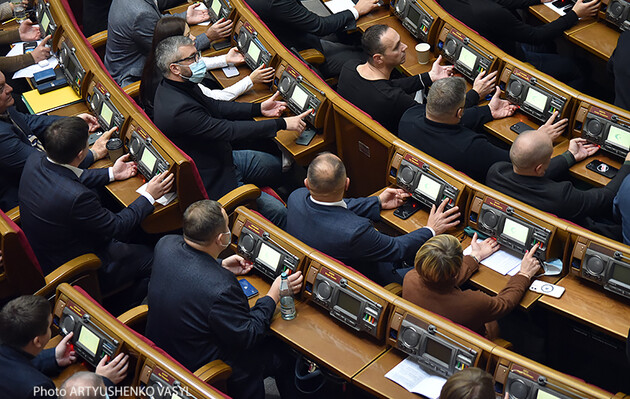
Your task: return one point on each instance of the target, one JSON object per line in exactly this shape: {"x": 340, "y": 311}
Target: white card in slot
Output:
{"x": 230, "y": 71}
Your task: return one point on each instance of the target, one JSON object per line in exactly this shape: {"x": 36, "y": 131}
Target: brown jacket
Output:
{"x": 469, "y": 308}
{"x": 8, "y": 65}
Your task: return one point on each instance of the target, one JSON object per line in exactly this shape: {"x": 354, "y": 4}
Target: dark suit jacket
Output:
{"x": 467, "y": 151}
{"x": 197, "y": 310}
{"x": 618, "y": 65}
{"x": 296, "y": 26}
{"x": 552, "y": 194}
{"x": 348, "y": 234}
{"x": 22, "y": 373}
{"x": 469, "y": 308}
{"x": 204, "y": 129}
{"x": 63, "y": 218}
{"x": 15, "y": 148}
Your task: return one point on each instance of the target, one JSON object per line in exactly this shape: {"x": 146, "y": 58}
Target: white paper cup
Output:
{"x": 423, "y": 52}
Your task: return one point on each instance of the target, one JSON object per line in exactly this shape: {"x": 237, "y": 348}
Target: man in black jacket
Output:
{"x": 211, "y": 318}
{"x": 204, "y": 128}
{"x": 538, "y": 180}
{"x": 618, "y": 65}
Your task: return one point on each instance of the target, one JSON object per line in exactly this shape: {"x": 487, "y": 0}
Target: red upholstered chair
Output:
{"x": 21, "y": 274}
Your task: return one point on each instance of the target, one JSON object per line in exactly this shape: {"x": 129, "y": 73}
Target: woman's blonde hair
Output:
{"x": 439, "y": 259}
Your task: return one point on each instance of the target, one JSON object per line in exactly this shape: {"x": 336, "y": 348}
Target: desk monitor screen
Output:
{"x": 619, "y": 137}
{"x": 621, "y": 273}
{"x": 107, "y": 113}
{"x": 348, "y": 303}
{"x": 300, "y": 96}
{"x": 216, "y": 7}
{"x": 148, "y": 159}
{"x": 413, "y": 17}
{"x": 536, "y": 99}
{"x": 45, "y": 22}
{"x": 253, "y": 51}
{"x": 438, "y": 351}
{"x": 88, "y": 340}
{"x": 546, "y": 395}
{"x": 269, "y": 256}
{"x": 515, "y": 231}
{"x": 468, "y": 58}
{"x": 428, "y": 187}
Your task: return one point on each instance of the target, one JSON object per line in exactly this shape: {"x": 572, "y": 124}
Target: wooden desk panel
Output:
{"x": 373, "y": 18}
{"x": 372, "y": 378}
{"x": 592, "y": 305}
{"x": 257, "y": 93}
{"x": 579, "y": 169}
{"x": 71, "y": 110}
{"x": 598, "y": 38}
{"x": 316, "y": 334}
{"x": 547, "y": 15}
{"x": 501, "y": 127}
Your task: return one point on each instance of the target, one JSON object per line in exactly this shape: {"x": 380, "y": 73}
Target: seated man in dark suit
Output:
{"x": 63, "y": 218}
{"x": 370, "y": 87}
{"x": 428, "y": 127}
{"x": 621, "y": 209}
{"x": 319, "y": 216}
{"x": 21, "y": 135}
{"x": 24, "y": 364}
{"x": 618, "y": 66}
{"x": 540, "y": 181}
{"x": 211, "y": 318}
{"x": 204, "y": 128}
{"x": 297, "y": 27}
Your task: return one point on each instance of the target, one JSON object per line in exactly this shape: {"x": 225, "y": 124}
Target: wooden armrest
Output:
{"x": 134, "y": 315}
{"x": 14, "y": 214}
{"x": 394, "y": 288}
{"x": 69, "y": 272}
{"x": 502, "y": 343}
{"x": 133, "y": 89}
{"x": 214, "y": 371}
{"x": 313, "y": 56}
{"x": 239, "y": 196}
{"x": 98, "y": 39}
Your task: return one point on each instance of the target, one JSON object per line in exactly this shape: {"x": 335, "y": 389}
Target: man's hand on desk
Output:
{"x": 295, "y": 283}
{"x": 500, "y": 108}
{"x": 237, "y": 265}
{"x": 91, "y": 120}
{"x": 28, "y": 31}
{"x": 262, "y": 74}
{"x": 124, "y": 168}
{"x": 530, "y": 264}
{"x": 482, "y": 250}
{"x": 234, "y": 57}
{"x": 439, "y": 71}
{"x": 441, "y": 221}
{"x": 485, "y": 84}
{"x": 220, "y": 29}
{"x": 195, "y": 15}
{"x": 116, "y": 370}
{"x": 64, "y": 356}
{"x": 554, "y": 129}
{"x": 365, "y": 6}
{"x": 42, "y": 51}
{"x": 586, "y": 9}
{"x": 99, "y": 149}
{"x": 392, "y": 198}
{"x": 582, "y": 149}
{"x": 160, "y": 184}
{"x": 296, "y": 123}
{"x": 272, "y": 107}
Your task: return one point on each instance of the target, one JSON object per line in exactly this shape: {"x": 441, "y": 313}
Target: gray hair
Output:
{"x": 203, "y": 221}
{"x": 83, "y": 385}
{"x": 167, "y": 52}
{"x": 446, "y": 96}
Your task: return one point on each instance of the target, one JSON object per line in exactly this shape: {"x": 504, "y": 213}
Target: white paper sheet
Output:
{"x": 336, "y": 6}
{"x": 556, "y": 9}
{"x": 501, "y": 261}
{"x": 163, "y": 200}
{"x": 409, "y": 375}
{"x": 18, "y": 49}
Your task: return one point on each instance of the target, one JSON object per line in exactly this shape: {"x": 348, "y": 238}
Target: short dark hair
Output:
{"x": 470, "y": 383}
{"x": 326, "y": 173}
{"x": 23, "y": 319}
{"x": 371, "y": 40}
{"x": 446, "y": 96}
{"x": 65, "y": 138}
{"x": 202, "y": 221}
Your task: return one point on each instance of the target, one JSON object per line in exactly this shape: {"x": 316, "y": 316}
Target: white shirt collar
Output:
{"x": 74, "y": 169}
{"x": 341, "y": 203}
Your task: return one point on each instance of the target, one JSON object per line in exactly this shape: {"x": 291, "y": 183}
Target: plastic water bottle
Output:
{"x": 287, "y": 304}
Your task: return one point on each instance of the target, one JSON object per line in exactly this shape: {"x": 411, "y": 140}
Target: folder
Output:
{"x": 47, "y": 102}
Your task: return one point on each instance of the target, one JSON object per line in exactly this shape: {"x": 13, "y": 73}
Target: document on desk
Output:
{"x": 409, "y": 375}
{"x": 29, "y": 71}
{"x": 163, "y": 200}
{"x": 336, "y": 6}
{"x": 501, "y": 261}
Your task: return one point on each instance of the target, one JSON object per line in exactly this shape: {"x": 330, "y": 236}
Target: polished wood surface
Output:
{"x": 592, "y": 305}
{"x": 373, "y": 17}
{"x": 580, "y": 171}
{"x": 547, "y": 15}
{"x": 598, "y": 38}
{"x": 257, "y": 93}
{"x": 501, "y": 127}
{"x": 372, "y": 378}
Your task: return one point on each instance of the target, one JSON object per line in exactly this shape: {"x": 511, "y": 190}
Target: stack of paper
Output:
{"x": 409, "y": 375}
{"x": 500, "y": 261}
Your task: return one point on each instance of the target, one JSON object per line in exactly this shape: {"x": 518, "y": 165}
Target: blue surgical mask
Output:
{"x": 198, "y": 69}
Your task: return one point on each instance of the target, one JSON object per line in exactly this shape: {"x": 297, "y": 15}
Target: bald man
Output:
{"x": 541, "y": 181}
{"x": 342, "y": 228}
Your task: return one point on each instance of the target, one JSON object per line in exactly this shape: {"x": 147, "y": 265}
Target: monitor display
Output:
{"x": 546, "y": 395}
{"x": 88, "y": 340}
{"x": 299, "y": 96}
{"x": 45, "y": 22}
{"x": 438, "y": 351}
{"x": 269, "y": 256}
{"x": 619, "y": 137}
{"x": 216, "y": 7}
{"x": 468, "y": 58}
{"x": 413, "y": 16}
{"x": 428, "y": 187}
{"x": 176, "y": 396}
{"x": 348, "y": 303}
{"x": 515, "y": 231}
{"x": 621, "y": 273}
{"x": 148, "y": 159}
{"x": 107, "y": 113}
{"x": 536, "y": 99}
{"x": 253, "y": 51}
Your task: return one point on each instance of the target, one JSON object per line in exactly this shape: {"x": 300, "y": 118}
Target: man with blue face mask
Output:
{"x": 204, "y": 128}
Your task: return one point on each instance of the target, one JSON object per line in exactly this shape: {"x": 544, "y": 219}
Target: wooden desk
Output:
{"x": 547, "y": 15}
{"x": 372, "y": 378}
{"x": 319, "y": 336}
{"x": 598, "y": 38}
{"x": 592, "y": 305}
{"x": 259, "y": 92}
{"x": 373, "y": 17}
{"x": 286, "y": 139}
{"x": 501, "y": 127}
{"x": 579, "y": 169}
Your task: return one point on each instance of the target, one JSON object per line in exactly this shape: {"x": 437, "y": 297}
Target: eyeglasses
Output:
{"x": 194, "y": 58}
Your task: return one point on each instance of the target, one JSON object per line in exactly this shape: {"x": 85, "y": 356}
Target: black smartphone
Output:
{"x": 602, "y": 168}
{"x": 29, "y": 46}
{"x": 249, "y": 290}
{"x": 407, "y": 209}
{"x": 221, "y": 45}
{"x": 94, "y": 136}
{"x": 305, "y": 137}
{"x": 520, "y": 127}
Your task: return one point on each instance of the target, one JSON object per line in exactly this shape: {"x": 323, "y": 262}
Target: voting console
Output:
{"x": 604, "y": 125}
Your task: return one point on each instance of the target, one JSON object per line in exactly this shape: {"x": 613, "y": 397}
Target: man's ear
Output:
{"x": 347, "y": 183}
{"x": 175, "y": 69}
{"x": 540, "y": 169}
{"x": 460, "y": 112}
{"x": 306, "y": 184}
{"x": 37, "y": 342}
